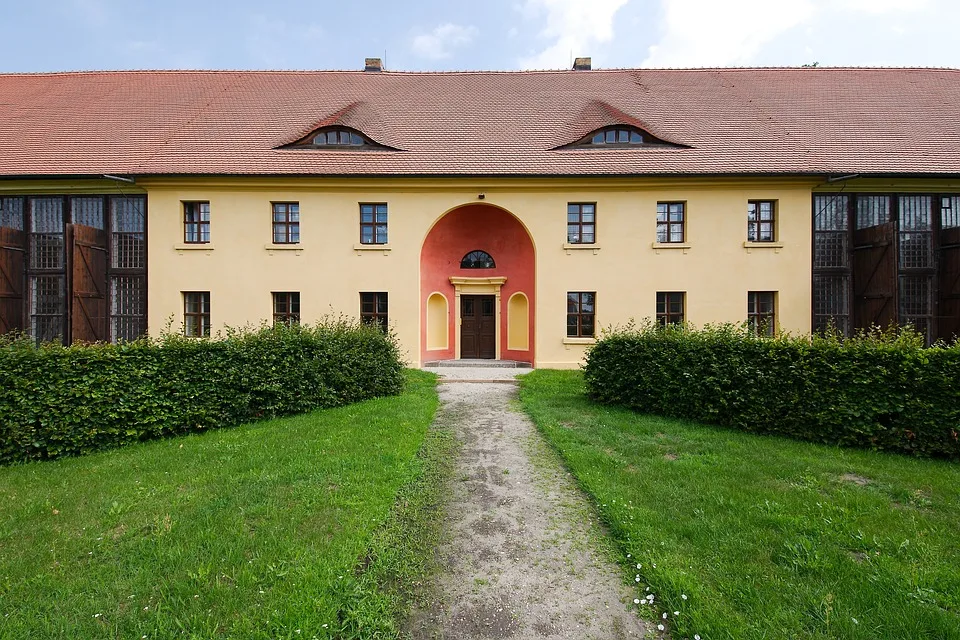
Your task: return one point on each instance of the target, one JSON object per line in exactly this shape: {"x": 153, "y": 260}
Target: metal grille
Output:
{"x": 950, "y": 212}
{"x": 916, "y": 232}
{"x": 830, "y": 213}
{"x": 831, "y": 303}
{"x": 87, "y": 211}
{"x": 127, "y": 307}
{"x": 46, "y": 230}
{"x": 127, "y": 238}
{"x": 831, "y": 249}
{"x": 872, "y": 211}
{"x": 46, "y": 307}
{"x": 11, "y": 213}
{"x": 916, "y": 302}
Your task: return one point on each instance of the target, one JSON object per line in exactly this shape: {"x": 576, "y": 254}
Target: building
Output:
{"x": 480, "y": 214}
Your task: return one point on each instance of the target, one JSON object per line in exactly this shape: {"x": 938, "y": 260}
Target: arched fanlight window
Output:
{"x": 477, "y": 260}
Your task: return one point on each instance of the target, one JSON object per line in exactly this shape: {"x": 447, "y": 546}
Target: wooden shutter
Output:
{"x": 874, "y": 276}
{"x": 949, "y": 308}
{"x": 89, "y": 305}
{"x": 12, "y": 258}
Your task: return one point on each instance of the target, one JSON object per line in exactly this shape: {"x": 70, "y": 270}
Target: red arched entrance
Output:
{"x": 485, "y": 312}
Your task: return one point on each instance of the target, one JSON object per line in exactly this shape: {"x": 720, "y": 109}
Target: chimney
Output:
{"x": 581, "y": 64}
{"x": 372, "y": 64}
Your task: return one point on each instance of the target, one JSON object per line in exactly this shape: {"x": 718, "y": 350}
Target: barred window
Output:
{"x": 128, "y": 233}
{"x": 47, "y": 307}
{"x": 11, "y": 213}
{"x": 46, "y": 233}
{"x": 87, "y": 211}
{"x": 670, "y": 221}
{"x": 949, "y": 212}
{"x": 128, "y": 307}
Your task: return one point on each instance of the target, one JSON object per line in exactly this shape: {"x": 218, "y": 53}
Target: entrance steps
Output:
{"x": 478, "y": 363}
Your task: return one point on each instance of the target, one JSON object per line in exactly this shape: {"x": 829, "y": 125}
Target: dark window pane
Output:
{"x": 635, "y": 138}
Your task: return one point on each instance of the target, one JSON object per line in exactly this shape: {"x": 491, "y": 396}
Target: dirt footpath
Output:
{"x": 521, "y": 557}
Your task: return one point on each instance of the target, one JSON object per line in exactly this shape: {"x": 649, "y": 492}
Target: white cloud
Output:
{"x": 884, "y": 6}
{"x": 438, "y": 43}
{"x": 573, "y": 26}
{"x": 711, "y": 33}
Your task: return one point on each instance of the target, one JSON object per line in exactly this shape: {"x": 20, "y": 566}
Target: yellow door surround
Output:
{"x": 476, "y": 287}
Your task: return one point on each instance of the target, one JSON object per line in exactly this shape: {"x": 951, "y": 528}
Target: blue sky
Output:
{"x": 57, "y": 35}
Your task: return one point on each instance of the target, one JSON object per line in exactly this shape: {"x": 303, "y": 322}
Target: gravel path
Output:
{"x": 520, "y": 560}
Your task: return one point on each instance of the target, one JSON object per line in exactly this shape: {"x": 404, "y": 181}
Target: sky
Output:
{"x": 433, "y": 35}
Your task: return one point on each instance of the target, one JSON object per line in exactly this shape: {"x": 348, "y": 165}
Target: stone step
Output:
{"x": 478, "y": 363}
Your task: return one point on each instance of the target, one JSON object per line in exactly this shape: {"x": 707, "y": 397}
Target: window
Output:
{"x": 196, "y": 222}
{"x": 617, "y": 136}
{"x": 286, "y": 222}
{"x": 373, "y": 309}
{"x": 196, "y": 313}
{"x": 580, "y": 314}
{"x": 581, "y": 223}
{"x": 286, "y": 307}
{"x": 669, "y": 307}
{"x": 373, "y": 223}
{"x": 477, "y": 260}
{"x": 761, "y": 315}
{"x": 670, "y": 221}
{"x": 760, "y": 221}
{"x": 339, "y": 138}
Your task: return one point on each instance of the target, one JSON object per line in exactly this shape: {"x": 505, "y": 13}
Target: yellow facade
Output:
{"x": 715, "y": 267}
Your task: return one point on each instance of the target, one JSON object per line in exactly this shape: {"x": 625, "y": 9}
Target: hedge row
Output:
{"x": 876, "y": 391}
{"x": 57, "y": 400}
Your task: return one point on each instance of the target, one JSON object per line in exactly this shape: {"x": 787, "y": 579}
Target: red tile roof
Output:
{"x": 731, "y": 121}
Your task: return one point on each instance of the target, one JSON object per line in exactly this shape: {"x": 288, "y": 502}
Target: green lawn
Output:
{"x": 766, "y": 537}
{"x": 280, "y": 529}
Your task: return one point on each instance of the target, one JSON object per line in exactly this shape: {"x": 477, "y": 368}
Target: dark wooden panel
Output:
{"x": 949, "y": 279}
{"x": 874, "y": 276}
{"x": 478, "y": 327}
{"x": 89, "y": 304}
{"x": 12, "y": 259}
{"x": 469, "y": 330}
{"x": 487, "y": 328}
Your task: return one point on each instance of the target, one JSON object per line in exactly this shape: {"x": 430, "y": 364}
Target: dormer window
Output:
{"x": 618, "y": 136}
{"x": 340, "y": 137}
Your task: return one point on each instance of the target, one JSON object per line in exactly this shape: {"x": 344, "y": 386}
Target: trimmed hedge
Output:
{"x": 880, "y": 391}
{"x": 57, "y": 401}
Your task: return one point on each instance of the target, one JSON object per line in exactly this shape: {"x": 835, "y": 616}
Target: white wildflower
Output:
{"x": 636, "y": 601}
{"x": 683, "y": 595}
{"x": 660, "y": 627}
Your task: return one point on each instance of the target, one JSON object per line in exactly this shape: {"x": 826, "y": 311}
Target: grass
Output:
{"x": 766, "y": 537}
{"x": 290, "y": 528}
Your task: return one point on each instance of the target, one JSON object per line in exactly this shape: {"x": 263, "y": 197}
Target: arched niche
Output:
{"x": 518, "y": 322}
{"x": 437, "y": 313}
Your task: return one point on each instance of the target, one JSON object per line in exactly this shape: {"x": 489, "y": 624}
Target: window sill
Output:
{"x": 360, "y": 248}
{"x": 581, "y": 246}
{"x": 198, "y": 246}
{"x": 580, "y": 341}
{"x": 750, "y": 246}
{"x": 293, "y": 246}
{"x": 657, "y": 246}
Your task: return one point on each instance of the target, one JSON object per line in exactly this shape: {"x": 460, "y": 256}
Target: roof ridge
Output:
{"x": 87, "y": 72}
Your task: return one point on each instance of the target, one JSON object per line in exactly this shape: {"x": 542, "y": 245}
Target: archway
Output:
{"x": 477, "y": 257}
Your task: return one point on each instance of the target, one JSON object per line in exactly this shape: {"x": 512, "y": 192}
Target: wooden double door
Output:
{"x": 478, "y": 327}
